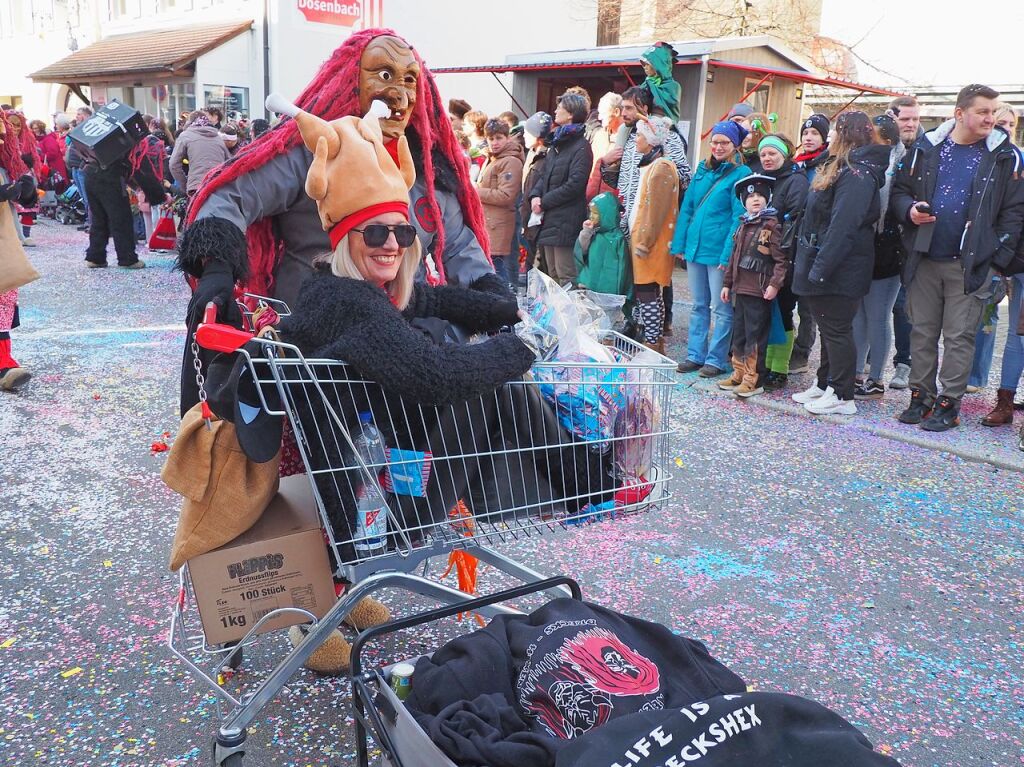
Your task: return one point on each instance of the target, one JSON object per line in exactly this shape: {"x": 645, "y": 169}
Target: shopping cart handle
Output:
{"x": 217, "y": 336}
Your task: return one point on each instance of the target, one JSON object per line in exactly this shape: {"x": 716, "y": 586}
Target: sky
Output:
{"x": 941, "y": 42}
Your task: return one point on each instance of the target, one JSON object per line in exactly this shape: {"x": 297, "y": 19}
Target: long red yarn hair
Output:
{"x": 10, "y": 151}
{"x": 332, "y": 94}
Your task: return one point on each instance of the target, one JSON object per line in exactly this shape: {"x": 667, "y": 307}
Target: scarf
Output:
{"x": 564, "y": 132}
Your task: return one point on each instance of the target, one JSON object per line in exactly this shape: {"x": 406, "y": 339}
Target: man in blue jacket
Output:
{"x": 959, "y": 196}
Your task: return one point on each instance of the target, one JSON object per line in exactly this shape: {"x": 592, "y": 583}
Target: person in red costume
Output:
{"x": 251, "y": 224}
{"x": 17, "y": 187}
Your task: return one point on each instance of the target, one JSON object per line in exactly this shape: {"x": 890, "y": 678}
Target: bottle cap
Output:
{"x": 365, "y": 417}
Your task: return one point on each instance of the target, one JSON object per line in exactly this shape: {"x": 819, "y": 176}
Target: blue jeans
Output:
{"x": 706, "y": 289}
{"x": 902, "y": 328}
{"x": 78, "y": 176}
{"x": 1013, "y": 352}
{"x": 984, "y": 347}
{"x": 872, "y": 327}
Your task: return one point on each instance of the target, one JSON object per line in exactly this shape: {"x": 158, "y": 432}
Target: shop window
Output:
{"x": 232, "y": 100}
{"x": 759, "y": 98}
{"x": 181, "y": 98}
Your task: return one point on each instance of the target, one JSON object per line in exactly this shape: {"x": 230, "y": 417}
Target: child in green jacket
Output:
{"x": 602, "y": 260}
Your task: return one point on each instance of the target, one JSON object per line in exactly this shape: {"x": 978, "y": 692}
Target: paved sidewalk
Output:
{"x": 995, "y": 446}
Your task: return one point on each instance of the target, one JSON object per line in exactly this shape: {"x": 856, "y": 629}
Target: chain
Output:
{"x": 201, "y": 383}
{"x": 198, "y": 365}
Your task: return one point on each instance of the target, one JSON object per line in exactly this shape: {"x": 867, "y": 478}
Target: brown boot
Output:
{"x": 1002, "y": 413}
{"x": 658, "y": 347}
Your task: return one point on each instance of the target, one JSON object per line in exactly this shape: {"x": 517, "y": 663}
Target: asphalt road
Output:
{"x": 832, "y": 560}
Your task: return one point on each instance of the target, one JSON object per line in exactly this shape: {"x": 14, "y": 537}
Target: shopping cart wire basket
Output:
{"x": 571, "y": 443}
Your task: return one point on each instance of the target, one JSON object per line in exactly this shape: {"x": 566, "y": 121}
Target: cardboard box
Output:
{"x": 110, "y": 134}
{"x": 281, "y": 561}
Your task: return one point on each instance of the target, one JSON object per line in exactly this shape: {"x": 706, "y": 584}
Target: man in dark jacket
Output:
{"x": 107, "y": 192}
{"x": 560, "y": 195}
{"x": 959, "y": 197}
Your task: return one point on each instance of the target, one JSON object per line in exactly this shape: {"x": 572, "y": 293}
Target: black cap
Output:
{"x": 755, "y": 183}
{"x": 233, "y": 396}
{"x": 819, "y": 122}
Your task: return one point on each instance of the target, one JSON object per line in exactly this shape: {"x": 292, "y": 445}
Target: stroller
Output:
{"x": 70, "y": 206}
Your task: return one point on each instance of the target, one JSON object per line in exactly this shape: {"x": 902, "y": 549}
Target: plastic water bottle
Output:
{"x": 371, "y": 511}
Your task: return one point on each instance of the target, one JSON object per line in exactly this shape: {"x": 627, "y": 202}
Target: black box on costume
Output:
{"x": 110, "y": 134}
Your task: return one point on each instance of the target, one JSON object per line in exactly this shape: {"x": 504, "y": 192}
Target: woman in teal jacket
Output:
{"x": 707, "y": 221}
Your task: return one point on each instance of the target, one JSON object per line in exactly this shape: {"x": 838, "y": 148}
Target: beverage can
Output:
{"x": 401, "y": 679}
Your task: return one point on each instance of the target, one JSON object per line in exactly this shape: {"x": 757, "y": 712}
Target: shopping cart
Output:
{"x": 571, "y": 444}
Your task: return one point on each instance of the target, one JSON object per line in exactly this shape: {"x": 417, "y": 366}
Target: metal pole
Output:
{"x": 518, "y": 105}
{"x": 845, "y": 106}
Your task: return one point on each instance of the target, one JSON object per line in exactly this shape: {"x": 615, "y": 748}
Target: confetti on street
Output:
{"x": 879, "y": 577}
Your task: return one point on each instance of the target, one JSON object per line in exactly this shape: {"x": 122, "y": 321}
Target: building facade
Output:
{"x": 170, "y": 56}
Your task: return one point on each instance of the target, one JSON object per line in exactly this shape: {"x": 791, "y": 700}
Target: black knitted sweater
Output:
{"x": 354, "y": 321}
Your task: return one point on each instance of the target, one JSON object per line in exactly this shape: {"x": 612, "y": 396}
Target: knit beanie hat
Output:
{"x": 655, "y": 129}
{"x": 820, "y": 123}
{"x": 755, "y": 183}
{"x": 739, "y": 110}
{"x": 775, "y": 143}
{"x": 731, "y": 130}
{"x": 352, "y": 148}
{"x": 200, "y": 120}
{"x": 539, "y": 125}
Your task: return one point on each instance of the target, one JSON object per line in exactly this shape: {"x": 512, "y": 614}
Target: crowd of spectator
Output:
{"x": 866, "y": 232}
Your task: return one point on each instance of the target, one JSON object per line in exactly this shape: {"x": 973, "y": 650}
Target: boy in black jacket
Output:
{"x": 959, "y": 197}
{"x": 755, "y": 274}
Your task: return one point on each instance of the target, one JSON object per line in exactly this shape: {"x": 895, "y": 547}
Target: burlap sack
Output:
{"x": 225, "y": 493}
{"x": 15, "y": 269}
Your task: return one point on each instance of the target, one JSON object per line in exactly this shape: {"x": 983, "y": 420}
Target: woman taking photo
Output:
{"x": 707, "y": 220}
{"x": 836, "y": 253}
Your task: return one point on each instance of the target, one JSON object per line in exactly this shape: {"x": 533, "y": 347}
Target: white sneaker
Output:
{"x": 809, "y": 395}
{"x": 901, "y": 379}
{"x": 831, "y": 405}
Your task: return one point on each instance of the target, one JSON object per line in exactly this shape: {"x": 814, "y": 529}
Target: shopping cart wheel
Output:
{"x": 228, "y": 752}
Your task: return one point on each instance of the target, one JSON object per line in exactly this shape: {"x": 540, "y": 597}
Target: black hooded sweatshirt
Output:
{"x": 759, "y": 729}
{"x": 518, "y": 691}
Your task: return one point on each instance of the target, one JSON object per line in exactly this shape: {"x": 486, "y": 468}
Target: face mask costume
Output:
{"x": 252, "y": 226}
{"x": 387, "y": 69}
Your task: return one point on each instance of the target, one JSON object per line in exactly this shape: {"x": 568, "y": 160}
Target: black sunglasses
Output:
{"x": 375, "y": 235}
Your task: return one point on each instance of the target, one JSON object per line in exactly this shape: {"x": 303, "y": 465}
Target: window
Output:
{"x": 125, "y": 9}
{"x": 758, "y": 100}
{"x": 232, "y": 100}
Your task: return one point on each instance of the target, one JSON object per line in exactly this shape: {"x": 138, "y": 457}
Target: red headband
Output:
{"x": 353, "y": 220}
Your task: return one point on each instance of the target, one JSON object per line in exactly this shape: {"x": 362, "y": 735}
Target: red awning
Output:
{"x": 500, "y": 68}
{"x": 804, "y": 77}
{"x": 788, "y": 74}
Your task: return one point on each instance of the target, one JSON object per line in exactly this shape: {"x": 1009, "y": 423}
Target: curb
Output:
{"x": 786, "y": 408}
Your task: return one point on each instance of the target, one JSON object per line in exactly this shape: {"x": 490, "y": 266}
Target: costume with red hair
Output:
{"x": 271, "y": 223}
{"x": 31, "y": 156}
{"x": 16, "y": 187}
